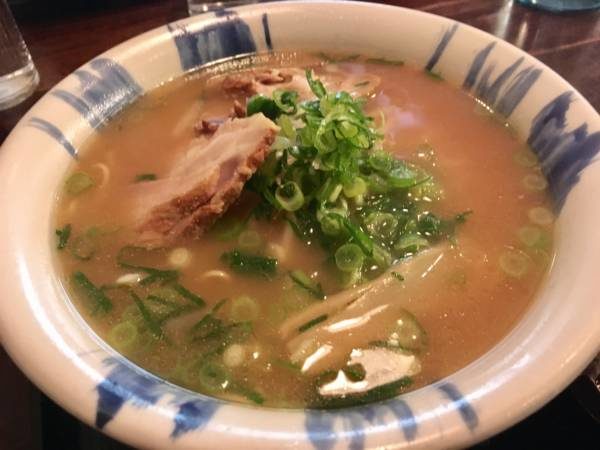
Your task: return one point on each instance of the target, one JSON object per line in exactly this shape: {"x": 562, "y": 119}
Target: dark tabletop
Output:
{"x": 64, "y": 34}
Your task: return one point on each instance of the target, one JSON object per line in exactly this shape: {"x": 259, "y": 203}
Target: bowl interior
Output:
{"x": 548, "y": 347}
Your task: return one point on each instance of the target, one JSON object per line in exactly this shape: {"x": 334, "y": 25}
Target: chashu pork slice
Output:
{"x": 203, "y": 183}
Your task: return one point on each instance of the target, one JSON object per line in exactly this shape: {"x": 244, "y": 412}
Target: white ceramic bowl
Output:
{"x": 551, "y": 344}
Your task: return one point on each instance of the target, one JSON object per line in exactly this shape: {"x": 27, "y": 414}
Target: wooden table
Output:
{"x": 65, "y": 34}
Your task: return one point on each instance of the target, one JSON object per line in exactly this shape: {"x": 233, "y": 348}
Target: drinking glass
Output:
{"x": 18, "y": 75}
{"x": 203, "y": 6}
{"x": 562, "y": 5}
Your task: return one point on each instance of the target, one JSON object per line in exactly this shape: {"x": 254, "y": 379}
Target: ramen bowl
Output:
{"x": 58, "y": 351}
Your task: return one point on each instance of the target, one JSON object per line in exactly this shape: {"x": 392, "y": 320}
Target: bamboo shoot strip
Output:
{"x": 409, "y": 267}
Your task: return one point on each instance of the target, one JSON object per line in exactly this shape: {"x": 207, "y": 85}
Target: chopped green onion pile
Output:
{"x": 332, "y": 179}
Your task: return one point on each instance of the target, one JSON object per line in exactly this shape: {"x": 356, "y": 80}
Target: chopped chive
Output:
{"x": 337, "y": 59}
{"x": 83, "y": 247}
{"x": 384, "y": 61}
{"x": 123, "y": 335}
{"x": 304, "y": 281}
{"x": 78, "y": 183}
{"x": 408, "y": 333}
{"x": 349, "y": 257}
{"x": 434, "y": 75}
{"x": 398, "y": 276}
{"x": 198, "y": 301}
{"x": 63, "y": 235}
{"x": 152, "y": 324}
{"x": 250, "y": 240}
{"x": 153, "y": 275}
{"x": 144, "y": 177}
{"x": 247, "y": 392}
{"x": 289, "y": 196}
{"x": 286, "y": 365}
{"x": 249, "y": 264}
{"x": 462, "y": 217}
{"x": 158, "y": 275}
{"x": 262, "y": 104}
{"x": 361, "y": 238}
{"x": 176, "y": 312}
{"x": 535, "y": 182}
{"x": 540, "y": 216}
{"x": 312, "y": 323}
{"x": 514, "y": 263}
{"x": 162, "y": 301}
{"x": 244, "y": 309}
{"x": 94, "y": 294}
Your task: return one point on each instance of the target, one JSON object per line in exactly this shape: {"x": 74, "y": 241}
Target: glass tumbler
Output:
{"x": 561, "y": 5}
{"x": 18, "y": 75}
{"x": 203, "y": 6}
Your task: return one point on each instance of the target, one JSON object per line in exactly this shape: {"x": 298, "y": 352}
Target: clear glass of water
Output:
{"x": 203, "y": 6}
{"x": 18, "y": 75}
{"x": 562, "y": 5}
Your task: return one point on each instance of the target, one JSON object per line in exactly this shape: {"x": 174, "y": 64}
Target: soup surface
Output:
{"x": 389, "y": 288}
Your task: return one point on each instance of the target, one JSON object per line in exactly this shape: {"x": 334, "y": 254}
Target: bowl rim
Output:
{"x": 577, "y": 361}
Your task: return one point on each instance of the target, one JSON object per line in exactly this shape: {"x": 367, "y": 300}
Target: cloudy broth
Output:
{"x": 484, "y": 278}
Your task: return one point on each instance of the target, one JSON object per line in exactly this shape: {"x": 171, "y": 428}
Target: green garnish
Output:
{"x": 248, "y": 264}
{"x": 261, "y": 104}
{"x": 78, "y": 182}
{"x": 247, "y": 392}
{"x": 165, "y": 309}
{"x": 99, "y": 299}
{"x": 312, "y": 323}
{"x": 289, "y": 196}
{"x": 377, "y": 394}
{"x": 349, "y": 257}
{"x": 337, "y": 59}
{"x": 154, "y": 275}
{"x": 386, "y": 62}
{"x": 150, "y": 322}
{"x": 434, "y": 75}
{"x": 304, "y": 281}
{"x": 229, "y": 227}
{"x": 123, "y": 335}
{"x": 355, "y": 372}
{"x": 333, "y": 181}
{"x": 63, "y": 235}
{"x": 195, "y": 299}
{"x": 244, "y": 309}
{"x": 286, "y": 101}
{"x": 144, "y": 177}
{"x": 83, "y": 247}
{"x": 285, "y": 364}
{"x": 398, "y": 276}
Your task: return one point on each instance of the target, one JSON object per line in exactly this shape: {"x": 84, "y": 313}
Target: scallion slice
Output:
{"x": 514, "y": 263}
{"x": 304, "y": 281}
{"x": 381, "y": 224}
{"x": 78, "y": 182}
{"x": 289, "y": 196}
{"x": 244, "y": 309}
{"x": 540, "y": 216}
{"x": 63, "y": 235}
{"x": 355, "y": 187}
{"x": 123, "y": 335}
{"x": 249, "y": 240}
{"x": 349, "y": 257}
